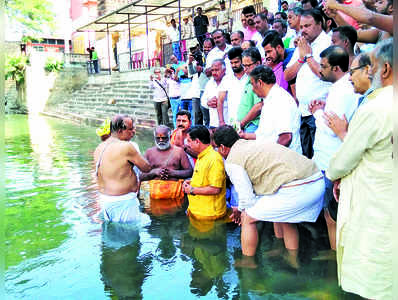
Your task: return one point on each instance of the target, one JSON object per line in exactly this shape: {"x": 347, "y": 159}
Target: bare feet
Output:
{"x": 325, "y": 255}
{"x": 273, "y": 252}
{"x": 291, "y": 258}
{"x": 246, "y": 262}
{"x": 277, "y": 248}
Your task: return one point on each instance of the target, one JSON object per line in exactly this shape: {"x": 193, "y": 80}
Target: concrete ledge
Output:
{"x": 88, "y": 103}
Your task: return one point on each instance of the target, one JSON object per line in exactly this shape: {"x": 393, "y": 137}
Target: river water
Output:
{"x": 56, "y": 249}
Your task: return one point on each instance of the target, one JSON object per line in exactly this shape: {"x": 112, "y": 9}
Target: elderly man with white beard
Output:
{"x": 168, "y": 162}
{"x": 364, "y": 165}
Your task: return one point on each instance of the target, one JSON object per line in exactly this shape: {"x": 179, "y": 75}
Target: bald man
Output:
{"x": 116, "y": 179}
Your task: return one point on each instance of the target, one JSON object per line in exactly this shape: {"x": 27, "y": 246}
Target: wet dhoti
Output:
{"x": 162, "y": 196}
{"x": 122, "y": 208}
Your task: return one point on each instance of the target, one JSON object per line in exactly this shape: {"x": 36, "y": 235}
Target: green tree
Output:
{"x": 53, "y": 65}
{"x": 34, "y": 15}
{"x": 15, "y": 69}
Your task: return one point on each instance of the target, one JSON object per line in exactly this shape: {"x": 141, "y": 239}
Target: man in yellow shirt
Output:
{"x": 206, "y": 190}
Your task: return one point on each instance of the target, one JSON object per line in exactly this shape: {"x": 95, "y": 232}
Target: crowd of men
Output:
{"x": 287, "y": 118}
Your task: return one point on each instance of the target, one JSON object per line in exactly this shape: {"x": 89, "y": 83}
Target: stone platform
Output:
{"x": 89, "y": 99}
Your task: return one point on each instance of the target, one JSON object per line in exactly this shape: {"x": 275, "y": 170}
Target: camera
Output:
{"x": 197, "y": 55}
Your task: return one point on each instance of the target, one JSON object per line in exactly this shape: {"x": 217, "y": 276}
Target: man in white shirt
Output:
{"x": 186, "y": 29}
{"x": 219, "y": 51}
{"x": 234, "y": 88}
{"x": 186, "y": 33}
{"x": 213, "y": 88}
{"x": 237, "y": 38}
{"x": 261, "y": 24}
{"x": 174, "y": 35}
{"x": 304, "y": 65}
{"x": 293, "y": 19}
{"x": 159, "y": 87}
{"x": 341, "y": 100}
{"x": 173, "y": 92}
{"x": 280, "y": 118}
{"x": 224, "y": 20}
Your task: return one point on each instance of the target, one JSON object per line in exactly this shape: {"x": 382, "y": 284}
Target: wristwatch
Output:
{"x": 306, "y": 57}
{"x": 191, "y": 192}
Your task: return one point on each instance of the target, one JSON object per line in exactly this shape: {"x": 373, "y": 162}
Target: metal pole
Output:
{"x": 230, "y": 15}
{"x": 147, "y": 35}
{"x": 109, "y": 55}
{"x": 179, "y": 28}
{"x": 131, "y": 59}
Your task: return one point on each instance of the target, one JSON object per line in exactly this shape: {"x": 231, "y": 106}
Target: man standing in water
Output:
{"x": 206, "y": 190}
{"x": 117, "y": 182}
{"x": 169, "y": 162}
{"x": 170, "y": 165}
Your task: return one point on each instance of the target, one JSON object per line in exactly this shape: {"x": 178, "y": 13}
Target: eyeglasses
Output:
{"x": 247, "y": 66}
{"x": 357, "y": 68}
{"x": 325, "y": 66}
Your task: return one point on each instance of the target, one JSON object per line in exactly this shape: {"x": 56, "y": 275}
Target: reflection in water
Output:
{"x": 42, "y": 142}
{"x": 54, "y": 250}
{"x": 206, "y": 244}
{"x": 33, "y": 220}
{"x": 123, "y": 270}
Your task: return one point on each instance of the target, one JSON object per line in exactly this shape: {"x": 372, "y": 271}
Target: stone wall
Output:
{"x": 10, "y": 94}
{"x": 91, "y": 99}
{"x": 12, "y": 48}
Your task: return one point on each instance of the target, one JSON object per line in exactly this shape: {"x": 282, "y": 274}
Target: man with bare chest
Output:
{"x": 117, "y": 182}
{"x": 168, "y": 162}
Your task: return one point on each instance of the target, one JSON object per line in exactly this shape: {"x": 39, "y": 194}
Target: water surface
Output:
{"x": 56, "y": 250}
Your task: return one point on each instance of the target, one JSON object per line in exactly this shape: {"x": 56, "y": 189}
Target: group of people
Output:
{"x": 277, "y": 131}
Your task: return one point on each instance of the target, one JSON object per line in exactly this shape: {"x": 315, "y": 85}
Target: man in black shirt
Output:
{"x": 200, "y": 23}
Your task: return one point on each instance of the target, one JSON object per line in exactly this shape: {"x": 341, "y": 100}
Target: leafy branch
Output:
{"x": 53, "y": 65}
{"x": 15, "y": 68}
{"x": 33, "y": 14}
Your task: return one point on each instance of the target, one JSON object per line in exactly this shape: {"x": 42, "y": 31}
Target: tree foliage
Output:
{"x": 34, "y": 15}
{"x": 29, "y": 39}
{"x": 15, "y": 68}
{"x": 53, "y": 65}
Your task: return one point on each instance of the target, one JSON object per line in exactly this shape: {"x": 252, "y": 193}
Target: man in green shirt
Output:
{"x": 94, "y": 58}
{"x": 248, "y": 112}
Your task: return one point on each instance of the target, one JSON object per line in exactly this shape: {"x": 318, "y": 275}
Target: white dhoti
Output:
{"x": 122, "y": 208}
{"x": 294, "y": 202}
